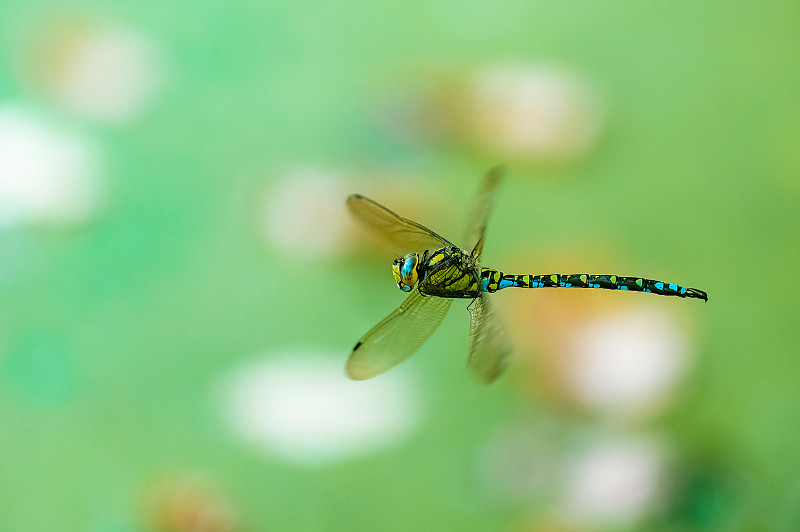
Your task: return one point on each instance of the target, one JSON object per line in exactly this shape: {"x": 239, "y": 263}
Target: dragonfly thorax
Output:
{"x": 405, "y": 271}
{"x": 446, "y": 272}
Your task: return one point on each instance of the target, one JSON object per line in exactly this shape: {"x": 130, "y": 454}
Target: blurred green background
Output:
{"x": 175, "y": 259}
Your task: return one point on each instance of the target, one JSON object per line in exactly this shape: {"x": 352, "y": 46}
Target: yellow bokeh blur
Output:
{"x": 181, "y": 284}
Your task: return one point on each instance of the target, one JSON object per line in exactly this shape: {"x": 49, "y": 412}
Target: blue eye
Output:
{"x": 446, "y": 272}
{"x": 409, "y": 265}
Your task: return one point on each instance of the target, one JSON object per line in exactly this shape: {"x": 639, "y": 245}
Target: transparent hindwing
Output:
{"x": 481, "y": 210}
{"x": 489, "y": 348}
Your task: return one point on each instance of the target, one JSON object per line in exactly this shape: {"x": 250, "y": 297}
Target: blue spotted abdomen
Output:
{"x": 493, "y": 280}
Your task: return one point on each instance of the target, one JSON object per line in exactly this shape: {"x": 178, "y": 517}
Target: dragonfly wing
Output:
{"x": 489, "y": 349}
{"x": 402, "y": 231}
{"x": 396, "y": 337}
{"x": 482, "y": 209}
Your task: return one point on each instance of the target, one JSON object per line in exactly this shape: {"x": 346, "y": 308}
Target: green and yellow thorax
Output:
{"x": 446, "y": 272}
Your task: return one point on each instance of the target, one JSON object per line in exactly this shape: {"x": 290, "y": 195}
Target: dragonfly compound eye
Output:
{"x": 405, "y": 271}
{"x": 445, "y": 272}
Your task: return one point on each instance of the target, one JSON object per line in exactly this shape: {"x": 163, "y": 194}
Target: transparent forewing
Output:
{"x": 402, "y": 231}
{"x": 396, "y": 337}
{"x": 481, "y": 210}
{"x": 489, "y": 348}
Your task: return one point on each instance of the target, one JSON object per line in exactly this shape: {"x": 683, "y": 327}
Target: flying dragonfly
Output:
{"x": 437, "y": 271}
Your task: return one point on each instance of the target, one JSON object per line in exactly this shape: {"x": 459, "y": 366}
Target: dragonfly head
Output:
{"x": 405, "y": 271}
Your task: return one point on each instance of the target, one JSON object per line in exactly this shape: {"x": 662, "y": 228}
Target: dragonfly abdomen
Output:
{"x": 493, "y": 280}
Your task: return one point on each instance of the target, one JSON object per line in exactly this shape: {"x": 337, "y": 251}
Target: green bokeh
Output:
{"x": 114, "y": 335}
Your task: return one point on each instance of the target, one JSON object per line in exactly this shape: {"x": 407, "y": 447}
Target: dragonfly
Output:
{"x": 436, "y": 272}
